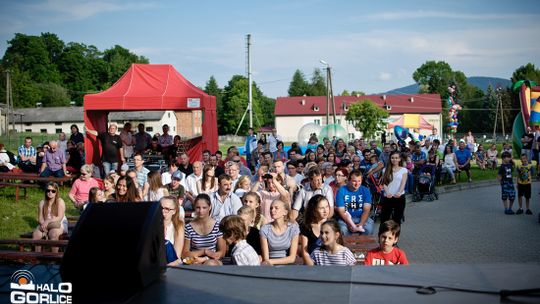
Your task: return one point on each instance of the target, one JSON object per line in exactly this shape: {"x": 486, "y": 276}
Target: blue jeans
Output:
{"x": 409, "y": 186}
{"x": 48, "y": 172}
{"x": 368, "y": 226}
{"x": 107, "y": 167}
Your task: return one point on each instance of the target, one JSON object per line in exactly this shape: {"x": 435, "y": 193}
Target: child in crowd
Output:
{"x": 248, "y": 215}
{"x": 253, "y": 200}
{"x": 524, "y": 183}
{"x": 235, "y": 232}
{"x": 387, "y": 253}
{"x": 508, "y": 192}
{"x": 332, "y": 251}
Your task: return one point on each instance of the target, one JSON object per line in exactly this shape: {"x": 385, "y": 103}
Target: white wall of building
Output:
{"x": 49, "y": 127}
{"x": 289, "y": 126}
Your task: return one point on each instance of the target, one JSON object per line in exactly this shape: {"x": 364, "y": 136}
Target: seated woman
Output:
{"x": 492, "y": 157}
{"x": 203, "y": 242}
{"x": 209, "y": 181}
{"x": 51, "y": 216}
{"x": 279, "y": 239}
{"x": 156, "y": 190}
{"x": 174, "y": 230}
{"x": 96, "y": 195}
{"x": 481, "y": 157}
{"x": 126, "y": 191}
{"x": 79, "y": 191}
{"x": 5, "y": 160}
{"x": 317, "y": 212}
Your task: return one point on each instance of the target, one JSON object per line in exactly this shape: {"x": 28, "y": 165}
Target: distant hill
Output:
{"x": 479, "y": 81}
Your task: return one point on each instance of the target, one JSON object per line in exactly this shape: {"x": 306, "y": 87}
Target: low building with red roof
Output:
{"x": 291, "y": 113}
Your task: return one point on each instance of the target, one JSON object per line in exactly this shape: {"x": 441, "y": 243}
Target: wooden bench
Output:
{"x": 358, "y": 244}
{"x": 23, "y": 180}
{"x": 25, "y": 256}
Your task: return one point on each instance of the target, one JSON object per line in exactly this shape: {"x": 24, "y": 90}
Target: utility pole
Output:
{"x": 499, "y": 94}
{"x": 250, "y": 80}
{"x": 496, "y": 116}
{"x": 8, "y": 101}
{"x": 329, "y": 94}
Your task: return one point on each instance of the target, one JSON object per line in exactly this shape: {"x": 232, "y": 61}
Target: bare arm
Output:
{"x": 178, "y": 245}
{"x": 365, "y": 214}
{"x": 222, "y": 248}
{"x": 344, "y": 217}
{"x": 93, "y": 132}
{"x": 305, "y": 255}
{"x": 284, "y": 193}
{"x": 264, "y": 249}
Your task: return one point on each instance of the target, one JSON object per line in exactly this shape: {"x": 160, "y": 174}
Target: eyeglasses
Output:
{"x": 50, "y": 191}
{"x": 167, "y": 209}
{"x": 340, "y": 175}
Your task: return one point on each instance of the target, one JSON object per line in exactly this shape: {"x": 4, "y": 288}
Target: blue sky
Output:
{"x": 372, "y": 46}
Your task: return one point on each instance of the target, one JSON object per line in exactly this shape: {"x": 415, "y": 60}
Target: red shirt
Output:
{"x": 376, "y": 257}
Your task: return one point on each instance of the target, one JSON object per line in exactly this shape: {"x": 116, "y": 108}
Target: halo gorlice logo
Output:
{"x": 25, "y": 290}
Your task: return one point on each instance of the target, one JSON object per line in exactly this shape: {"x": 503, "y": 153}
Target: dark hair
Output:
{"x": 335, "y": 227}
{"x": 92, "y": 194}
{"x": 390, "y": 226}
{"x": 132, "y": 194}
{"x": 315, "y": 171}
{"x": 73, "y": 126}
{"x": 506, "y": 154}
{"x": 355, "y": 172}
{"x": 388, "y": 174}
{"x": 203, "y": 197}
{"x": 310, "y": 214}
{"x": 233, "y": 226}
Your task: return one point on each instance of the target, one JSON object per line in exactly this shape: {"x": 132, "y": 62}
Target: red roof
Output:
{"x": 147, "y": 87}
{"x": 308, "y": 105}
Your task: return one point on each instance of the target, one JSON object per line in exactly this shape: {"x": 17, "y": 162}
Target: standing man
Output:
{"x": 142, "y": 139}
{"x": 128, "y": 140}
{"x": 527, "y": 142}
{"x": 250, "y": 145}
{"x": 54, "y": 162}
{"x": 111, "y": 146}
{"x": 165, "y": 139}
{"x": 434, "y": 135}
{"x": 353, "y": 204}
{"x": 272, "y": 141}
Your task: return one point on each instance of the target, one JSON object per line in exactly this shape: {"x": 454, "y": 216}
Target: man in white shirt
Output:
{"x": 190, "y": 183}
{"x": 272, "y": 140}
{"x": 224, "y": 202}
{"x": 314, "y": 187}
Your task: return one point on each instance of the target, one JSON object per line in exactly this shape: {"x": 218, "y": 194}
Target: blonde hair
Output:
{"x": 246, "y": 210}
{"x": 241, "y": 180}
{"x": 88, "y": 168}
{"x": 258, "y": 211}
{"x": 154, "y": 180}
{"x": 287, "y": 207}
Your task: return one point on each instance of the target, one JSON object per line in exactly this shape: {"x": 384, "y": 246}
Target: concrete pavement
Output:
{"x": 469, "y": 226}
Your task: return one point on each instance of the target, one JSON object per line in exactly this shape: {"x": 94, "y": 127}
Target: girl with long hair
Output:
{"x": 332, "y": 252}
{"x": 126, "y": 191}
{"x": 317, "y": 212}
{"x": 173, "y": 229}
{"x": 51, "y": 216}
{"x": 393, "y": 182}
{"x": 209, "y": 182}
{"x": 156, "y": 190}
{"x": 279, "y": 239}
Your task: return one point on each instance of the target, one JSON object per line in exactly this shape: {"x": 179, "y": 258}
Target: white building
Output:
{"x": 53, "y": 120}
{"x": 292, "y": 113}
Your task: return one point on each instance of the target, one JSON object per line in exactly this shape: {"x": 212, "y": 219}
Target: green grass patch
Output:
{"x": 21, "y": 216}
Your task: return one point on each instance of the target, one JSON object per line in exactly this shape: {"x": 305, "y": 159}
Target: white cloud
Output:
{"x": 420, "y": 14}
{"x": 84, "y": 9}
{"x": 383, "y": 76}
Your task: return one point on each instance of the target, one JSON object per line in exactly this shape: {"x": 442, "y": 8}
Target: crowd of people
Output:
{"x": 269, "y": 207}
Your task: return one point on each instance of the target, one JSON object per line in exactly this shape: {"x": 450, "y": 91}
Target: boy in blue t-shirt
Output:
{"x": 353, "y": 204}
{"x": 508, "y": 192}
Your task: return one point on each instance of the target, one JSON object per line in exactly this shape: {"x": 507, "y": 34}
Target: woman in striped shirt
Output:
{"x": 203, "y": 241}
{"x": 332, "y": 252}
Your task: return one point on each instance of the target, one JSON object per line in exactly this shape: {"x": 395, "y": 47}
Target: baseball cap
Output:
{"x": 177, "y": 175}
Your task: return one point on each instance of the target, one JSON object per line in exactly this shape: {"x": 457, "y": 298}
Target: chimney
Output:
{"x": 384, "y": 97}
{"x": 303, "y": 102}
{"x": 357, "y": 95}
{"x": 411, "y": 99}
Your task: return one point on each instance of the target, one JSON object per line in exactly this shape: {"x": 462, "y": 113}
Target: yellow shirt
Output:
{"x": 524, "y": 174}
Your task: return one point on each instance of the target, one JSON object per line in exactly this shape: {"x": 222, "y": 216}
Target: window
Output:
{"x": 351, "y": 136}
{"x": 169, "y": 114}
{"x": 339, "y": 121}
{"x": 58, "y": 131}
{"x": 317, "y": 121}
{"x": 28, "y": 130}
{"x": 28, "y": 124}
{"x": 42, "y": 130}
{"x": 57, "y": 123}
{"x": 149, "y": 129}
{"x": 174, "y": 128}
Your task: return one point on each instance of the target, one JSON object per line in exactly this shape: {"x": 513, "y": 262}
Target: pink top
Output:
{"x": 267, "y": 198}
{"x": 80, "y": 189}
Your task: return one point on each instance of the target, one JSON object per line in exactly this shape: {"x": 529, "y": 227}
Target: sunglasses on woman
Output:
{"x": 50, "y": 191}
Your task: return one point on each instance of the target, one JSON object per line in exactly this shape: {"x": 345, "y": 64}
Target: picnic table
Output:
{"x": 25, "y": 256}
{"x": 23, "y": 180}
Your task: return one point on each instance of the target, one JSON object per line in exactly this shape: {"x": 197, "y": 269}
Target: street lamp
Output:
{"x": 329, "y": 93}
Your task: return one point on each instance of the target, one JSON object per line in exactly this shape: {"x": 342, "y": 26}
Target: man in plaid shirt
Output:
{"x": 27, "y": 154}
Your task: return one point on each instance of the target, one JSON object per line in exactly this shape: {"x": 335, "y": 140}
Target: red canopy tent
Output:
{"x": 147, "y": 87}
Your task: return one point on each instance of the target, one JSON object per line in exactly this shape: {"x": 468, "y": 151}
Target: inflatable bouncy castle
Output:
{"x": 529, "y": 99}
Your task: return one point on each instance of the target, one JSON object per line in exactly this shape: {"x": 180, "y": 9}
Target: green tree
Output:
{"x": 345, "y": 93}
{"x": 299, "y": 85}
{"x": 317, "y": 87}
{"x": 54, "y": 46}
{"x": 526, "y": 72}
{"x": 357, "y": 93}
{"x": 367, "y": 117}
{"x": 53, "y": 95}
{"x": 470, "y": 118}
{"x": 76, "y": 70}
{"x": 119, "y": 60}
{"x": 235, "y": 101}
{"x": 267, "y": 106}
{"x": 213, "y": 89}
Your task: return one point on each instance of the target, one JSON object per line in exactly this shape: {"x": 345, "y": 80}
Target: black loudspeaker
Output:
{"x": 115, "y": 251}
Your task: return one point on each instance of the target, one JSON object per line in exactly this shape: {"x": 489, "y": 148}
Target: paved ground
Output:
{"x": 469, "y": 226}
